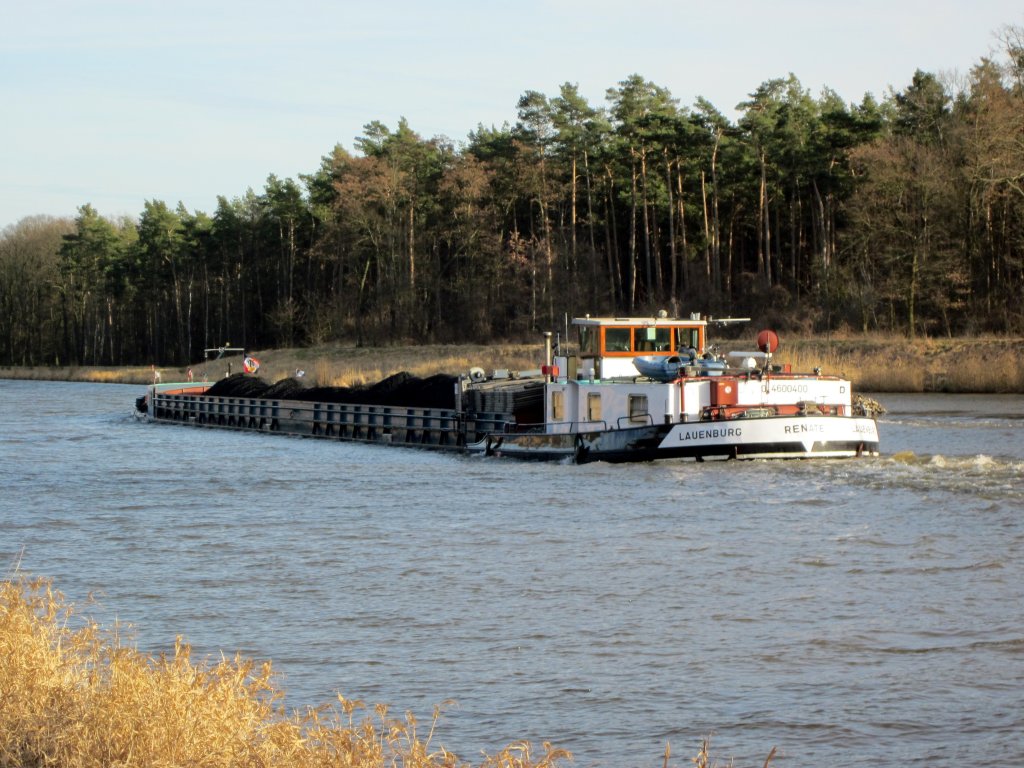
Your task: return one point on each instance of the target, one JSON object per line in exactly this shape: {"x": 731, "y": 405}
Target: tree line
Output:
{"x": 902, "y": 216}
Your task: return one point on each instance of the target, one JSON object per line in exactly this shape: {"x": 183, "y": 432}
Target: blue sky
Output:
{"x": 113, "y": 103}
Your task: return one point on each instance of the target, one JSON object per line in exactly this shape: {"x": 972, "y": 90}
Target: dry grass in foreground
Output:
{"x": 80, "y": 698}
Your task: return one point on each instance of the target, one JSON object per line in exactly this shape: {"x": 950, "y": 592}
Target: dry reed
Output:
{"x": 80, "y": 698}
{"x": 930, "y": 365}
{"x": 83, "y": 698}
{"x": 873, "y": 364}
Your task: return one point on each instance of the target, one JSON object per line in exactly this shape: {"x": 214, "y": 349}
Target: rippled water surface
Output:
{"x": 865, "y": 612}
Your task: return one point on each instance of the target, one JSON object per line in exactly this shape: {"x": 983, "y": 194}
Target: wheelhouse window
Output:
{"x": 636, "y": 340}
{"x": 653, "y": 339}
{"x": 688, "y": 338}
{"x": 618, "y": 339}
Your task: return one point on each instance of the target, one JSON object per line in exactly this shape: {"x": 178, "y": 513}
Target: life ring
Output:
{"x": 250, "y": 365}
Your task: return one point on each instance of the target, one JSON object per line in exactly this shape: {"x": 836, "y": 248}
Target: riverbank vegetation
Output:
{"x": 881, "y": 364}
{"x": 77, "y": 695}
{"x": 902, "y": 216}
{"x": 873, "y": 363}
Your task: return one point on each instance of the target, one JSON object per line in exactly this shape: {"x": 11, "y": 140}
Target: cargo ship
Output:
{"x": 629, "y": 389}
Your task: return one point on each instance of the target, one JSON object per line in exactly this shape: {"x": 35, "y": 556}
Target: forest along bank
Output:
{"x": 500, "y": 235}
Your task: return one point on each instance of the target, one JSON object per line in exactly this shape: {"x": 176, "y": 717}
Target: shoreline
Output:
{"x": 983, "y": 365}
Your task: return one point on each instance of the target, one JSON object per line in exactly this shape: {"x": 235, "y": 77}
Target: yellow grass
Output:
{"x": 931, "y": 365}
{"x": 326, "y": 365}
{"x": 873, "y": 363}
{"x": 867, "y": 372}
{"x": 83, "y": 698}
{"x": 101, "y": 374}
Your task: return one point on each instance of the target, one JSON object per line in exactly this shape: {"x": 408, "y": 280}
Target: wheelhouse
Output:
{"x": 608, "y": 344}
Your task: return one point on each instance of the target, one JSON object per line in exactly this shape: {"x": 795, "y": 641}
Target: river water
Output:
{"x": 862, "y": 612}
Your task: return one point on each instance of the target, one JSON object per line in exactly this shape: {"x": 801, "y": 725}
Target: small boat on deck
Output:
{"x": 671, "y": 367}
{"x": 658, "y": 368}
{"x": 630, "y": 389}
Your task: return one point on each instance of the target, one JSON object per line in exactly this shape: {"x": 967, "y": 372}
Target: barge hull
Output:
{"x": 494, "y": 434}
{"x": 751, "y": 439}
{"x": 435, "y": 428}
